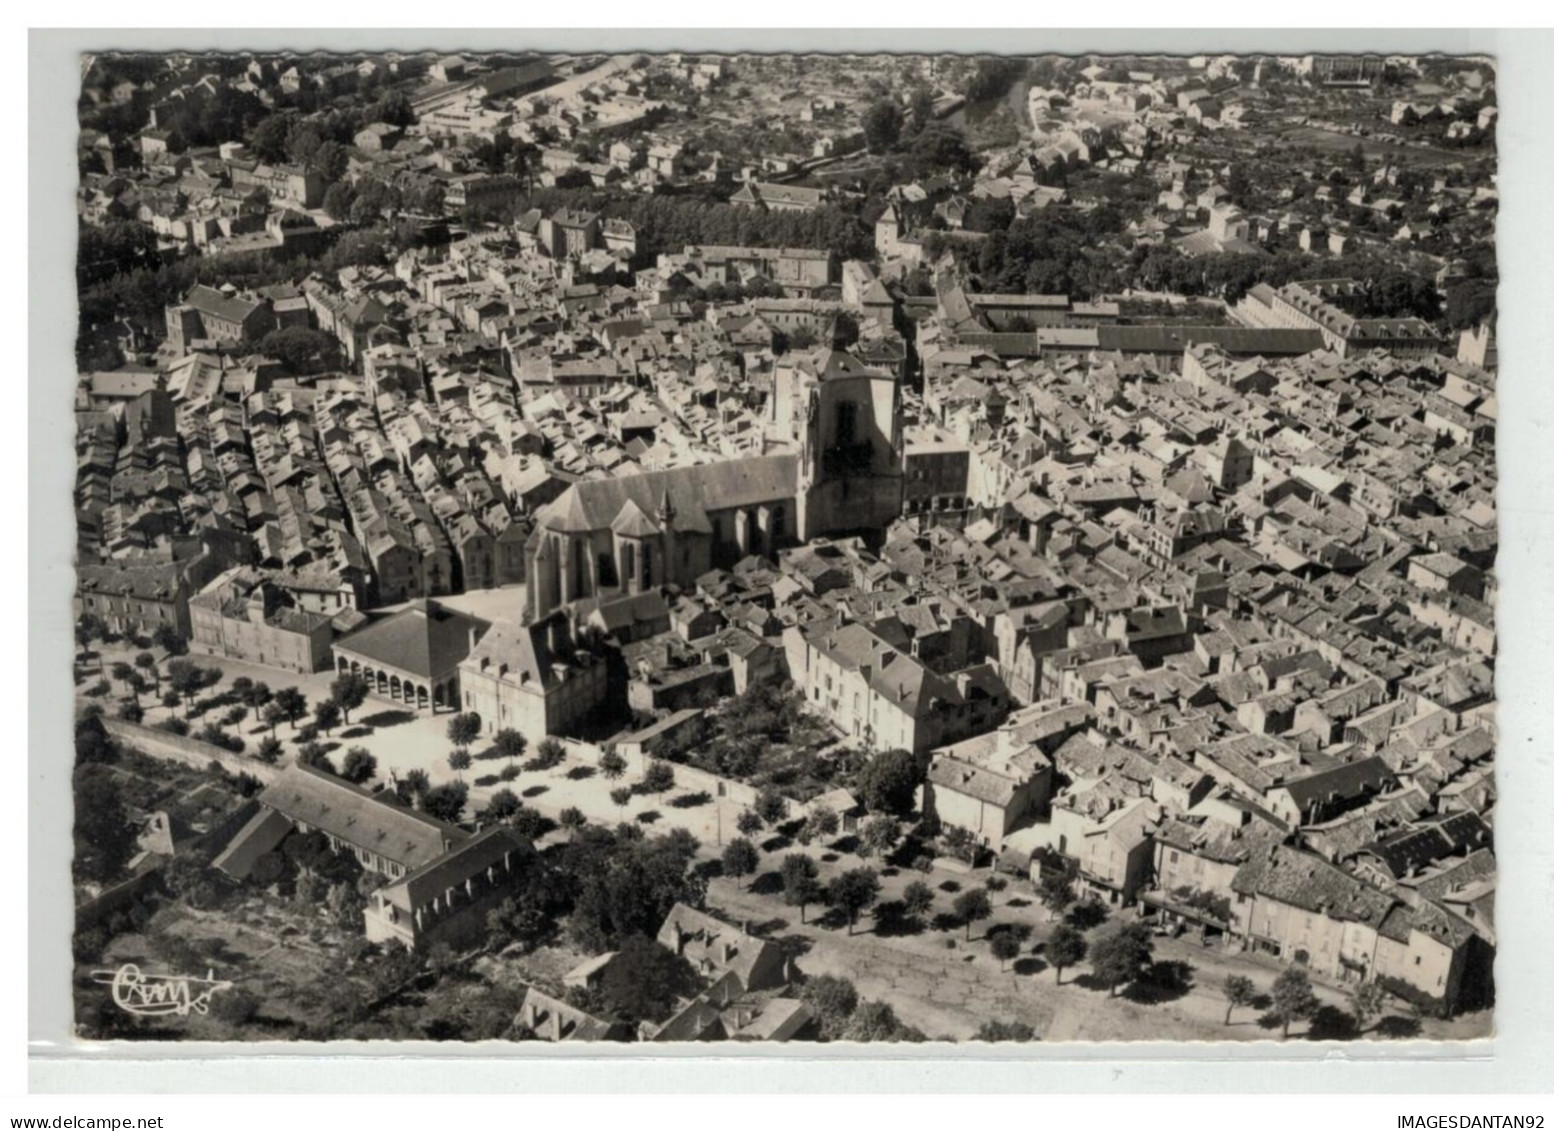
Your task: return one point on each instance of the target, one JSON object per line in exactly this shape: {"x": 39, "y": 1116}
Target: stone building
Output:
{"x": 412, "y": 657}
{"x": 533, "y": 678}
{"x": 243, "y": 618}
{"x": 839, "y": 424}
{"x": 447, "y": 899}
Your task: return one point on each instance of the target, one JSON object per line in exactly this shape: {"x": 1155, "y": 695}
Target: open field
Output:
{"x": 949, "y": 992}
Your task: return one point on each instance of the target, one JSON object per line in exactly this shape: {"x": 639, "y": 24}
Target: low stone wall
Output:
{"x": 687, "y": 779}
{"x": 185, "y": 750}
{"x": 122, "y": 894}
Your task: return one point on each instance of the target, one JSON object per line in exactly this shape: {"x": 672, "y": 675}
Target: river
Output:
{"x": 1014, "y": 100}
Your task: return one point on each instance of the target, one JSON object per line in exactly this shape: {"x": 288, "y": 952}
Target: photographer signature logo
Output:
{"x": 160, "y": 995}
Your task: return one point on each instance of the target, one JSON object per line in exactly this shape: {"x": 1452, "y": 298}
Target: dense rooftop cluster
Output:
{"x": 1193, "y": 601}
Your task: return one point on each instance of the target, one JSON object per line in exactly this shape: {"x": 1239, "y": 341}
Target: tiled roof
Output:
{"x": 713, "y": 945}
{"x": 1410, "y": 849}
{"x": 462, "y": 862}
{"x": 209, "y": 301}
{"x": 427, "y": 639}
{"x": 551, "y": 1014}
{"x": 593, "y": 504}
{"x": 322, "y": 801}
{"x": 1312, "y": 884}
{"x": 769, "y": 193}
{"x": 1219, "y": 840}
{"x": 633, "y": 522}
{"x": 122, "y": 383}
{"x": 973, "y": 781}
{"x": 1233, "y": 339}
{"x": 146, "y": 583}
{"x": 1351, "y": 780}
{"x": 264, "y": 831}
{"x": 522, "y": 649}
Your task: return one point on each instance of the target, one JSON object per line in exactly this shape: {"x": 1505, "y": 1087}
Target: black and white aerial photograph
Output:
{"x": 805, "y": 549}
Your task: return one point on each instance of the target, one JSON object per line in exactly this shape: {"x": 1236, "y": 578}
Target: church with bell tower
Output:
{"x": 833, "y": 434}
{"x": 843, "y": 417}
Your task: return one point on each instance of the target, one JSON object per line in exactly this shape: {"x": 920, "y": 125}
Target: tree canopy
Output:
{"x": 1366, "y": 1002}
{"x": 917, "y": 898}
{"x": 878, "y": 835}
{"x": 504, "y": 803}
{"x": 115, "y": 248}
{"x": 463, "y": 729}
{"x": 800, "y": 881}
{"x": 1004, "y": 1031}
{"x": 1055, "y": 890}
{"x": 888, "y": 782}
{"x": 972, "y": 906}
{"x": 1293, "y": 997}
{"x": 394, "y": 109}
{"x": 446, "y": 802}
{"x": 658, "y": 777}
{"x": 1122, "y": 956}
{"x": 994, "y": 77}
{"x": 877, "y": 1021}
{"x": 1239, "y": 990}
{"x": 1065, "y": 947}
{"x": 833, "y": 999}
{"x": 509, "y": 743}
{"x": 300, "y": 349}
{"x": 668, "y": 224}
{"x": 1004, "y": 946}
{"x": 105, "y": 838}
{"x": 206, "y": 117}
{"x": 882, "y": 125}
{"x": 326, "y": 713}
{"x": 348, "y": 692}
{"x": 359, "y": 766}
{"x": 292, "y": 702}
{"x": 612, "y": 765}
{"x": 853, "y": 892}
{"x": 740, "y": 858}
{"x": 622, "y": 886}
{"x": 821, "y": 823}
{"x": 644, "y": 981}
